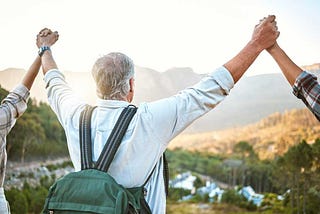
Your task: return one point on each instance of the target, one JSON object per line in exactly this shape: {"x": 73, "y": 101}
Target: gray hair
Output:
{"x": 112, "y": 73}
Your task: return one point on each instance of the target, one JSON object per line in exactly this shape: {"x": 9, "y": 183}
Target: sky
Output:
{"x": 201, "y": 34}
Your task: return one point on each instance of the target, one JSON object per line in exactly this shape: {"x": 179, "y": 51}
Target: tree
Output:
{"x": 247, "y": 155}
{"x": 299, "y": 161}
{"x": 26, "y": 132}
{"x": 17, "y": 200}
{"x": 38, "y": 200}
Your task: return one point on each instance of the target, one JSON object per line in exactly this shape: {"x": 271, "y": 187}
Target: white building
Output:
{"x": 184, "y": 181}
{"x": 212, "y": 190}
{"x": 251, "y": 195}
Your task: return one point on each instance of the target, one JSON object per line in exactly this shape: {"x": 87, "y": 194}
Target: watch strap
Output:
{"x": 42, "y": 49}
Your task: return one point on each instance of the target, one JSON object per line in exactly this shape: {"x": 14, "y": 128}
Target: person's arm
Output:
{"x": 15, "y": 104}
{"x": 62, "y": 99}
{"x": 290, "y": 70}
{"x": 48, "y": 62}
{"x": 305, "y": 85}
{"x": 31, "y": 74}
{"x": 264, "y": 36}
{"x": 47, "y": 38}
{"x": 168, "y": 117}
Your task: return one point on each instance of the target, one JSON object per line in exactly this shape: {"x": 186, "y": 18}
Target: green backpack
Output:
{"x": 93, "y": 190}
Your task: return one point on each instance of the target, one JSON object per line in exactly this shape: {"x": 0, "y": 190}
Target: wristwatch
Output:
{"x": 42, "y": 49}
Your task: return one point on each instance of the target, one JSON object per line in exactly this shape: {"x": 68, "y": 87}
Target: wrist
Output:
{"x": 274, "y": 49}
{"x": 254, "y": 47}
{"x": 43, "y": 49}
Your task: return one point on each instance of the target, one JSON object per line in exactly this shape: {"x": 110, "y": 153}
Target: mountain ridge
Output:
{"x": 252, "y": 98}
{"x": 270, "y": 137}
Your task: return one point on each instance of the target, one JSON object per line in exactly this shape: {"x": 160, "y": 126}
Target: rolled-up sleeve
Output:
{"x": 172, "y": 115}
{"x": 12, "y": 107}
{"x": 63, "y": 101}
{"x": 307, "y": 88}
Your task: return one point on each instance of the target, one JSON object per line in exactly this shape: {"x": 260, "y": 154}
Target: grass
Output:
{"x": 204, "y": 208}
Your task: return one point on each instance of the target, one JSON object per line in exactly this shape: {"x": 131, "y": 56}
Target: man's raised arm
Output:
{"x": 264, "y": 36}
{"x": 45, "y": 39}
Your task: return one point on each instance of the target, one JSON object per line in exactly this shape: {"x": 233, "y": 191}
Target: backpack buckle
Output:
{"x": 145, "y": 192}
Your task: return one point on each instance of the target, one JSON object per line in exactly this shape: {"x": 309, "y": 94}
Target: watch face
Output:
{"x": 42, "y": 49}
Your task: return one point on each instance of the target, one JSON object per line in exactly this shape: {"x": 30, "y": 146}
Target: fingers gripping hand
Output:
{"x": 46, "y": 37}
{"x": 266, "y": 33}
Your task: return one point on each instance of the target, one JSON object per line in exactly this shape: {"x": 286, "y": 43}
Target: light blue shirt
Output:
{"x": 152, "y": 128}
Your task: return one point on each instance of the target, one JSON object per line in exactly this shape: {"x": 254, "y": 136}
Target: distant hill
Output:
{"x": 269, "y": 137}
{"x": 252, "y": 99}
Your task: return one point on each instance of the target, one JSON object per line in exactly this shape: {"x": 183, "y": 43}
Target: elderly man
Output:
{"x": 155, "y": 123}
{"x": 305, "y": 85}
{"x": 12, "y": 107}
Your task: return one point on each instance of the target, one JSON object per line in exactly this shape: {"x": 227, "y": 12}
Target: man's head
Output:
{"x": 114, "y": 74}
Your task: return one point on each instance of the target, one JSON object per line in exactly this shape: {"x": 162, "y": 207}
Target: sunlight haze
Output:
{"x": 201, "y": 34}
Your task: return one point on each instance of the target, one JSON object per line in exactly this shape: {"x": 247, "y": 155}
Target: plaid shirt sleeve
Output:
{"x": 307, "y": 88}
{"x": 12, "y": 107}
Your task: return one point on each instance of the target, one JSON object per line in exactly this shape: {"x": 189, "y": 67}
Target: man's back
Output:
{"x": 148, "y": 134}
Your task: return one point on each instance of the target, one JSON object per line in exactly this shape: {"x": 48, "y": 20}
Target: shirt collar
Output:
{"x": 111, "y": 103}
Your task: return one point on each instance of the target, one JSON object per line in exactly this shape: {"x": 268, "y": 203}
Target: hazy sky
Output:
{"x": 202, "y": 34}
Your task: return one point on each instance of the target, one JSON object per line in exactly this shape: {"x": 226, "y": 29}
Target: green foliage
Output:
{"x": 29, "y": 199}
{"x": 181, "y": 161}
{"x": 52, "y": 167}
{"x": 176, "y": 194}
{"x": 18, "y": 201}
{"x": 298, "y": 170}
{"x": 36, "y": 135}
{"x": 231, "y": 196}
{"x": 245, "y": 151}
{"x": 38, "y": 199}
{"x": 46, "y": 182}
{"x": 198, "y": 182}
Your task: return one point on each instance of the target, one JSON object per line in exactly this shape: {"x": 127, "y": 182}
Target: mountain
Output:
{"x": 252, "y": 98}
{"x": 314, "y": 67}
{"x": 270, "y": 137}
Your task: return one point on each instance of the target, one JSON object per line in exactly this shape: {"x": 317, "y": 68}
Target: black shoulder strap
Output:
{"x": 112, "y": 144}
{"x": 166, "y": 174}
{"x": 114, "y": 140}
{"x": 85, "y": 137}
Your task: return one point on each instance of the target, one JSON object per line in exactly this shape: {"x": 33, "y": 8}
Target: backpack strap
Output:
{"x": 114, "y": 140}
{"x": 112, "y": 144}
{"x": 165, "y": 174}
{"x": 85, "y": 137}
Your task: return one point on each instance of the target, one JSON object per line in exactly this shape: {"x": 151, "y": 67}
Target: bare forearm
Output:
{"x": 264, "y": 36}
{"x": 48, "y": 62}
{"x": 290, "y": 70}
{"x": 31, "y": 74}
{"x": 242, "y": 61}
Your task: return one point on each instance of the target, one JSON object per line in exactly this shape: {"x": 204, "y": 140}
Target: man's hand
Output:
{"x": 265, "y": 33}
{"x": 46, "y": 37}
{"x": 264, "y": 36}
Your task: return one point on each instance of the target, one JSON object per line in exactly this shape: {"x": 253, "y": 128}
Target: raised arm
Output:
{"x": 305, "y": 85}
{"x": 15, "y": 104}
{"x": 264, "y": 36}
{"x": 290, "y": 70}
{"x": 31, "y": 74}
{"x": 35, "y": 67}
{"x": 45, "y": 39}
{"x": 62, "y": 99}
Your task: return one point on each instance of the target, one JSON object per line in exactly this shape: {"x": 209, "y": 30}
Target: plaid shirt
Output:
{"x": 307, "y": 89}
{"x": 11, "y": 108}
